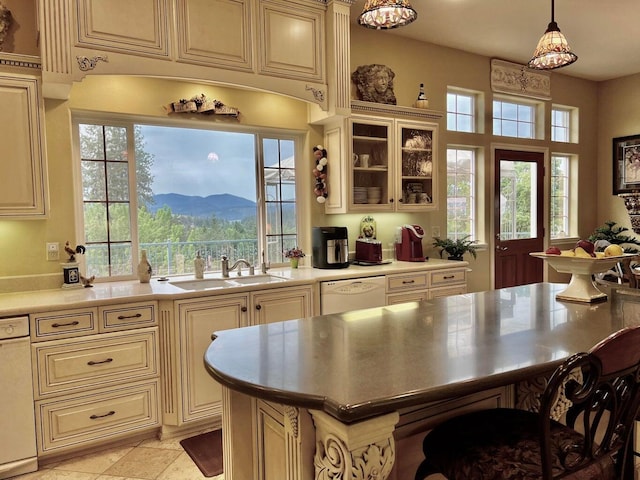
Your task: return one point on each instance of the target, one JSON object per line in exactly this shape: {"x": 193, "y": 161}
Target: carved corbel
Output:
{"x": 359, "y": 451}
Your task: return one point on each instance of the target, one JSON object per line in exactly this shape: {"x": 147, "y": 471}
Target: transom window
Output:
{"x": 177, "y": 192}
{"x": 461, "y": 108}
{"x": 560, "y": 125}
{"x": 512, "y": 119}
{"x": 461, "y": 192}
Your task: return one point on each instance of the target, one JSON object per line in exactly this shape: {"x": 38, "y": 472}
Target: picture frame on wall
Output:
{"x": 626, "y": 164}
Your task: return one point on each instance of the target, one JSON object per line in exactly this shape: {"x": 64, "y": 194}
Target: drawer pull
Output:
{"x": 408, "y": 282}
{"x": 124, "y": 317}
{"x": 95, "y": 417}
{"x": 448, "y": 277}
{"x": 70, "y": 324}
{"x": 108, "y": 360}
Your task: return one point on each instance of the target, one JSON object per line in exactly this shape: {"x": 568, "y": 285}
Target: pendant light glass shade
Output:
{"x": 386, "y": 14}
{"x": 552, "y": 51}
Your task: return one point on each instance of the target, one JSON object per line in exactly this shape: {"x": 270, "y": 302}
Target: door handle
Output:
{"x": 501, "y": 249}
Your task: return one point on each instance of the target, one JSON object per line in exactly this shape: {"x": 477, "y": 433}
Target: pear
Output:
{"x": 581, "y": 252}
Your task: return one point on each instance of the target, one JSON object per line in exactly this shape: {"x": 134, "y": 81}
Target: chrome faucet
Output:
{"x": 226, "y": 268}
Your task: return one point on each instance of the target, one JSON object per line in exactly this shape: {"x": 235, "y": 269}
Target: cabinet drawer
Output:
{"x": 411, "y": 281}
{"x": 94, "y": 361}
{"x": 417, "y": 296}
{"x": 131, "y": 315}
{"x": 447, "y": 277}
{"x": 63, "y": 323}
{"x": 447, "y": 291}
{"x": 97, "y": 416}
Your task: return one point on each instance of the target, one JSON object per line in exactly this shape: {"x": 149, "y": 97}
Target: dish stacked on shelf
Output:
{"x": 374, "y": 194}
{"x": 359, "y": 194}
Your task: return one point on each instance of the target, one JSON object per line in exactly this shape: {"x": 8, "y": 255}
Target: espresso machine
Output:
{"x": 330, "y": 247}
{"x": 409, "y": 243}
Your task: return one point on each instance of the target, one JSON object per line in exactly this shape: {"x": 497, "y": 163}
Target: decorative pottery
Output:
{"x": 581, "y": 288}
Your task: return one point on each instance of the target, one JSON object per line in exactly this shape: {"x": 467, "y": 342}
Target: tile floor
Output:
{"x": 149, "y": 459}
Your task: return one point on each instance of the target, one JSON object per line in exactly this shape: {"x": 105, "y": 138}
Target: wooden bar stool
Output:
{"x": 594, "y": 443}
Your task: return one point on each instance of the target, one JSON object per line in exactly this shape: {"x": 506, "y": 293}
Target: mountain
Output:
{"x": 226, "y": 206}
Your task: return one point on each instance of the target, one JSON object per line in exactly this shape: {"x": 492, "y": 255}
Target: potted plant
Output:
{"x": 294, "y": 255}
{"x": 456, "y": 248}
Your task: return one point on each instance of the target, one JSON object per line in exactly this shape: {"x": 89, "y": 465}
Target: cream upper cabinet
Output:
{"x": 392, "y": 165}
{"x": 23, "y": 171}
{"x": 271, "y": 45}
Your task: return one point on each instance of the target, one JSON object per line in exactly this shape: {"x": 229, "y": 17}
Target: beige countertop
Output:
{"x": 21, "y": 303}
{"x": 375, "y": 361}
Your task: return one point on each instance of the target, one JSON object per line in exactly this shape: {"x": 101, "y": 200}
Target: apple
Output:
{"x": 553, "y": 251}
{"x": 613, "y": 250}
{"x": 587, "y": 246}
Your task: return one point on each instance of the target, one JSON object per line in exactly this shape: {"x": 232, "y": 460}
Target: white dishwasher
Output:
{"x": 17, "y": 422}
{"x": 345, "y": 295}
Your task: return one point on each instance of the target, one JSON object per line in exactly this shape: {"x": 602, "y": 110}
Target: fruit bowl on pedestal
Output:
{"x": 581, "y": 288}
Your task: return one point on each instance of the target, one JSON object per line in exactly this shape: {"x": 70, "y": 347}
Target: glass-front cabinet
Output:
{"x": 392, "y": 165}
{"x": 415, "y": 166}
{"x": 371, "y": 169}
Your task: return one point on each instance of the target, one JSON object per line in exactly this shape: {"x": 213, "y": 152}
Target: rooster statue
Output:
{"x": 72, "y": 252}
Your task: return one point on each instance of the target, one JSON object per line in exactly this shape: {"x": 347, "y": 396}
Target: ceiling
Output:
{"x": 604, "y": 34}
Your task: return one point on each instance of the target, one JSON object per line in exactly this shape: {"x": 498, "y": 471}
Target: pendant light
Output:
{"x": 386, "y": 14}
{"x": 552, "y": 51}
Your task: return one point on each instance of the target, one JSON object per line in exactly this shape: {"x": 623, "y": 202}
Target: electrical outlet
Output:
{"x": 53, "y": 251}
{"x": 435, "y": 231}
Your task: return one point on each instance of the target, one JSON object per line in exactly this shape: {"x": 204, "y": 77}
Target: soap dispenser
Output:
{"x": 198, "y": 264}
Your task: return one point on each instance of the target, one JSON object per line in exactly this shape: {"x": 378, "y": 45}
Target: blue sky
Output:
{"x": 201, "y": 162}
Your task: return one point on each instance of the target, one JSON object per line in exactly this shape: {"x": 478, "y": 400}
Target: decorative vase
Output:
{"x": 144, "y": 268}
{"x": 294, "y": 262}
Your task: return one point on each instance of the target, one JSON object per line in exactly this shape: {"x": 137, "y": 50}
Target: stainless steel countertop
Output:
{"x": 370, "y": 362}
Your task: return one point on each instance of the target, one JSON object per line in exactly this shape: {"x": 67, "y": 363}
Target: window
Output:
{"x": 512, "y": 119}
{"x": 461, "y": 192}
{"x": 559, "y": 208}
{"x": 176, "y": 191}
{"x": 461, "y": 108}
{"x": 564, "y": 124}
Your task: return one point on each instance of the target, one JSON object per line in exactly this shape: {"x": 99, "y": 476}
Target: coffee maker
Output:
{"x": 330, "y": 247}
{"x": 409, "y": 243}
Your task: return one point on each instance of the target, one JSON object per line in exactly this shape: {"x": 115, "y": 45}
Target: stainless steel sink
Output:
{"x": 212, "y": 283}
{"x": 204, "y": 284}
{"x": 255, "y": 279}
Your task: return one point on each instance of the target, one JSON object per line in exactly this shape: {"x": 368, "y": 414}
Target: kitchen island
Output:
{"x": 324, "y": 397}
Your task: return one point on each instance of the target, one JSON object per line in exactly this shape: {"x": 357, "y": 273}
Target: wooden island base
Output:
{"x": 352, "y": 395}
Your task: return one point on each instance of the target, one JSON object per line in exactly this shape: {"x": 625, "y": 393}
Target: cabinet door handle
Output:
{"x": 243, "y": 309}
{"x": 70, "y": 324}
{"x": 123, "y": 317}
{"x": 95, "y": 417}
{"x": 408, "y": 282}
{"x": 258, "y": 307}
{"x": 448, "y": 277}
{"x": 108, "y": 360}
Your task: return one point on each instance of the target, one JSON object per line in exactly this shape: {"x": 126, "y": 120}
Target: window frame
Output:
{"x": 130, "y": 121}
{"x": 476, "y": 99}
{"x": 536, "y": 125}
{"x": 573, "y": 116}
{"x": 475, "y": 191}
{"x": 571, "y": 184}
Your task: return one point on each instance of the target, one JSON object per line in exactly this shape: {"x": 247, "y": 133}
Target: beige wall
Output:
{"x": 606, "y": 110}
{"x": 618, "y": 116}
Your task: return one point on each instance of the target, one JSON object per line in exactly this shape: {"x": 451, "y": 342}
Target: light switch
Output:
{"x": 53, "y": 251}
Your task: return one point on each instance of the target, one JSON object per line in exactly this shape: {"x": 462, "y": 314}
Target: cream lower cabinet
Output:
{"x": 96, "y": 388}
{"x": 191, "y": 395}
{"x": 425, "y": 285}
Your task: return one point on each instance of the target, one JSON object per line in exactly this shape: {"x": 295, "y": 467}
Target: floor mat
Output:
{"x": 206, "y": 452}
